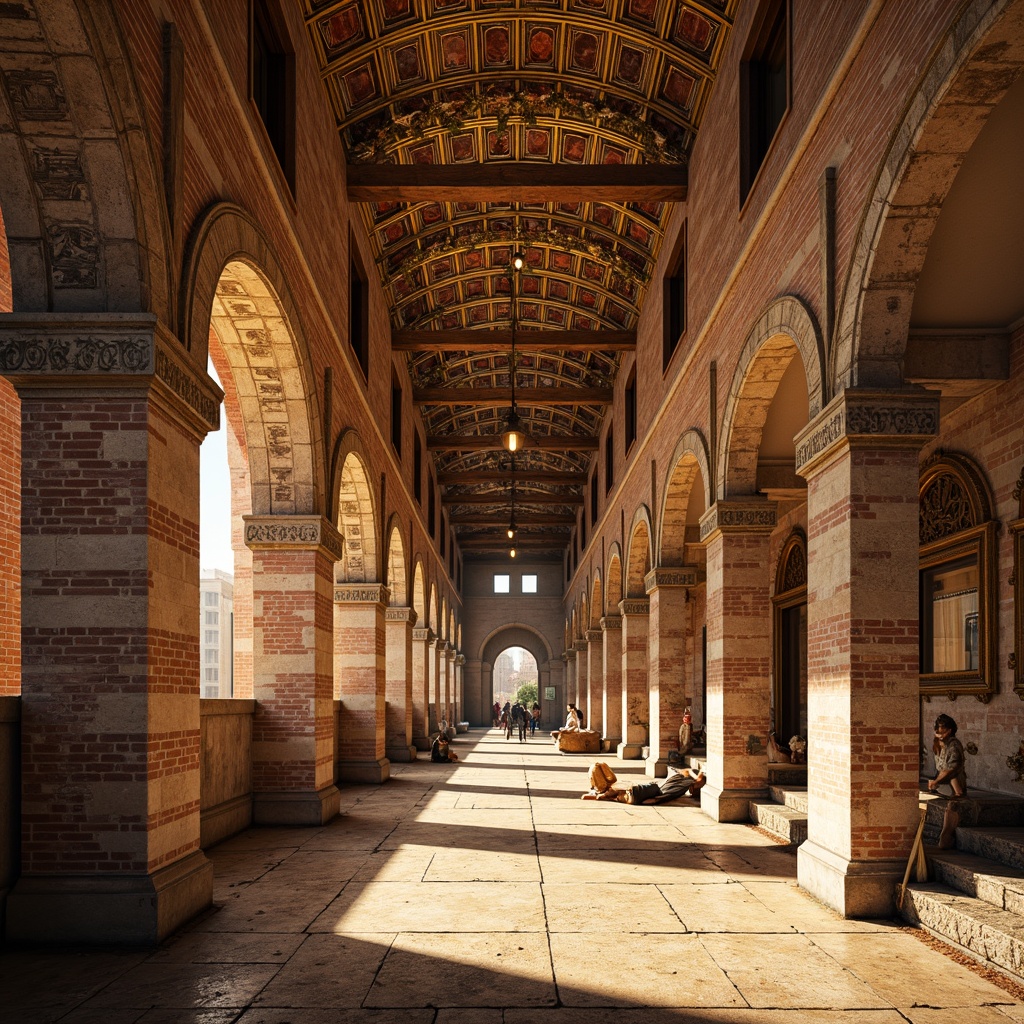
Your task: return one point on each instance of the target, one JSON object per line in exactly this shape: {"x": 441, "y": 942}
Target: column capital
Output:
{"x": 66, "y": 351}
{"x": 611, "y": 622}
{"x": 635, "y": 606}
{"x": 594, "y": 636}
{"x": 449, "y": 650}
{"x": 360, "y": 593}
{"x": 564, "y": 657}
{"x": 744, "y": 515}
{"x": 460, "y": 659}
{"x": 423, "y": 633}
{"x": 678, "y": 576}
{"x": 407, "y": 615}
{"x": 292, "y": 533}
{"x": 878, "y": 418}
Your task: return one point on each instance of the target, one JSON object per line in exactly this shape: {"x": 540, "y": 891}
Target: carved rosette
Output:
{"x": 635, "y": 606}
{"x": 406, "y": 615}
{"x": 680, "y": 576}
{"x": 753, "y": 516}
{"x": 360, "y": 593}
{"x": 611, "y": 622}
{"x": 296, "y": 532}
{"x": 894, "y": 417}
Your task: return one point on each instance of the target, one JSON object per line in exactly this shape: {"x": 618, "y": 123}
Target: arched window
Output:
{"x": 957, "y": 579}
{"x": 790, "y": 614}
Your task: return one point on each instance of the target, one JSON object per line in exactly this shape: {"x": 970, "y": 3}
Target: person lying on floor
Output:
{"x": 678, "y": 782}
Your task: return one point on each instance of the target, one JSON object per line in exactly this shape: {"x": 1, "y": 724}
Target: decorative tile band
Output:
{"x": 361, "y": 593}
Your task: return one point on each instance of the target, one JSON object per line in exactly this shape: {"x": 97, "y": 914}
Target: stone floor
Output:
{"x": 487, "y": 892}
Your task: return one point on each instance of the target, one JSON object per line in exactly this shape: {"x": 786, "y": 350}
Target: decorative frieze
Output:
{"x": 594, "y": 636}
{"x": 268, "y": 532}
{"x": 906, "y": 416}
{"x": 188, "y": 389}
{"x": 635, "y": 606}
{"x": 611, "y": 622}
{"x": 680, "y": 576}
{"x": 423, "y": 634}
{"x": 400, "y": 615}
{"x": 361, "y": 593}
{"x": 77, "y": 353}
{"x": 580, "y": 646}
{"x": 753, "y": 516}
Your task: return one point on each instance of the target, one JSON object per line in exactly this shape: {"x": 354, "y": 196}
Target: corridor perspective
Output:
{"x": 487, "y": 892}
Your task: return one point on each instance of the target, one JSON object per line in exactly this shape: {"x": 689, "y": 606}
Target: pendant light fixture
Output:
{"x": 513, "y": 438}
{"x": 511, "y": 531}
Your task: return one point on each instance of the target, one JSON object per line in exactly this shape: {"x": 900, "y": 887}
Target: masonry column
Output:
{"x": 360, "y": 666}
{"x": 473, "y": 693}
{"x": 860, "y": 459}
{"x": 569, "y": 660}
{"x": 595, "y": 680}
{"x": 112, "y": 415}
{"x": 736, "y": 534}
{"x": 635, "y": 710}
{"x": 611, "y": 632}
{"x": 460, "y": 687}
{"x": 421, "y": 655}
{"x": 434, "y": 664}
{"x": 668, "y": 592}
{"x": 398, "y": 745}
{"x": 580, "y": 649}
{"x": 449, "y": 688}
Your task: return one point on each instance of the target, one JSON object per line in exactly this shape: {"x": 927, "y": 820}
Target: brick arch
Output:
{"x": 443, "y": 621}
{"x": 639, "y": 558}
{"x": 398, "y": 571}
{"x": 514, "y": 634}
{"x": 613, "y": 587}
{"x": 419, "y": 593}
{"x": 785, "y": 330}
{"x": 356, "y": 517}
{"x": 596, "y": 602}
{"x": 970, "y": 72}
{"x": 690, "y": 467}
{"x": 432, "y": 609}
{"x": 92, "y": 228}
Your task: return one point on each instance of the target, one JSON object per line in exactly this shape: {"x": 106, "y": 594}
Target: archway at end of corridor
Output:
{"x": 516, "y": 662}
{"x": 514, "y": 677}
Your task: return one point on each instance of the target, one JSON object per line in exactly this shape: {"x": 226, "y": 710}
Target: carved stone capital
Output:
{"x": 880, "y": 418}
{"x": 611, "y": 622}
{"x": 449, "y": 651}
{"x": 635, "y": 606}
{"x": 360, "y": 593}
{"x": 580, "y": 646}
{"x": 407, "y": 615}
{"x": 594, "y": 636}
{"x": 297, "y": 533}
{"x": 681, "y": 576}
{"x": 460, "y": 659}
{"x": 424, "y": 634}
{"x": 752, "y": 515}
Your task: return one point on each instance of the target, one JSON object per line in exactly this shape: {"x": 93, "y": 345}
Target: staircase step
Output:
{"x": 994, "y": 883}
{"x": 980, "y": 808}
{"x": 790, "y": 796}
{"x": 987, "y": 932}
{"x": 1003, "y": 845}
{"x": 783, "y": 774}
{"x": 785, "y": 822}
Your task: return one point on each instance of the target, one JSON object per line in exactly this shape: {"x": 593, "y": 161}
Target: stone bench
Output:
{"x": 583, "y": 741}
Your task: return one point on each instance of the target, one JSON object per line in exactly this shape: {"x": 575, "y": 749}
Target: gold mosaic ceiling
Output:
{"x": 528, "y": 87}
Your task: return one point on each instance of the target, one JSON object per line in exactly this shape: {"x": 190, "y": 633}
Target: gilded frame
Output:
{"x": 786, "y": 596}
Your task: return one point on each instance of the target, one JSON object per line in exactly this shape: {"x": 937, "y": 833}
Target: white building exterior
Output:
{"x": 215, "y": 632}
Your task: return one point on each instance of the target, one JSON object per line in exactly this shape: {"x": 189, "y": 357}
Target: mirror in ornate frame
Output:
{"x": 957, "y": 574}
{"x": 1017, "y": 582}
{"x": 790, "y": 639}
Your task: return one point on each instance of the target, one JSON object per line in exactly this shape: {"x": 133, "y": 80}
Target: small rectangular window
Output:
{"x": 629, "y": 408}
{"x": 272, "y": 83}
{"x": 674, "y": 301}
{"x": 212, "y": 656}
{"x": 358, "y": 309}
{"x": 211, "y": 675}
{"x": 609, "y": 457}
{"x": 501, "y": 583}
{"x": 212, "y": 636}
{"x": 211, "y": 618}
{"x": 211, "y": 598}
{"x": 529, "y": 583}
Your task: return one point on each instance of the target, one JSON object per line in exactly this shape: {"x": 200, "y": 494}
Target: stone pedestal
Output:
{"x": 611, "y": 663}
{"x": 860, "y": 458}
{"x": 112, "y": 415}
{"x": 595, "y": 681}
{"x": 669, "y": 628}
{"x": 398, "y": 745}
{"x": 635, "y": 709}
{"x": 360, "y": 670}
{"x": 736, "y": 534}
{"x": 422, "y": 653}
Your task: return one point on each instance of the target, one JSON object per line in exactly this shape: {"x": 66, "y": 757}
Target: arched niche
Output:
{"x": 686, "y": 498}
{"x": 639, "y": 559}
{"x": 356, "y": 515}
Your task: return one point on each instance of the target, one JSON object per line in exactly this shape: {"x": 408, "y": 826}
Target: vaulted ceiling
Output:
{"x": 474, "y": 128}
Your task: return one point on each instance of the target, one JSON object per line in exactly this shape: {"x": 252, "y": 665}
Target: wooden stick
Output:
{"x": 912, "y": 858}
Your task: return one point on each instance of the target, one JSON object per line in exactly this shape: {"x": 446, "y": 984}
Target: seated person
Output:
{"x": 572, "y": 722}
{"x": 440, "y": 751}
{"x": 678, "y": 782}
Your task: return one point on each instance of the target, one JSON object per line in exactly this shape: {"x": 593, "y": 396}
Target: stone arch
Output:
{"x": 419, "y": 594}
{"x": 786, "y": 329}
{"x": 261, "y": 362}
{"x": 596, "y": 603}
{"x": 690, "y": 467}
{"x": 514, "y": 634}
{"x": 92, "y": 231}
{"x": 639, "y": 558}
{"x": 970, "y": 72}
{"x": 443, "y": 621}
{"x": 432, "y": 609}
{"x": 398, "y": 573}
{"x": 583, "y": 620}
{"x": 613, "y": 588}
{"x": 356, "y": 517}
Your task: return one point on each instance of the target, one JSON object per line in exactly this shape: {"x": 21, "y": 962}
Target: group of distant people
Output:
{"x": 516, "y": 718}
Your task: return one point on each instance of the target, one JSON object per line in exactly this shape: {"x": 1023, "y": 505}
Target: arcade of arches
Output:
{"x": 772, "y": 395}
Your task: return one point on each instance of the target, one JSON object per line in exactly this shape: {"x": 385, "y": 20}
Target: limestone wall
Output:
{"x": 225, "y": 760}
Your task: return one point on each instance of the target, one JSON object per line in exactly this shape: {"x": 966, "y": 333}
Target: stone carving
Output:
{"x": 422, "y": 634}
{"x": 825, "y": 435}
{"x": 795, "y": 573}
{"x": 372, "y": 593}
{"x": 305, "y": 534}
{"x": 37, "y": 96}
{"x": 723, "y": 515}
{"x": 946, "y": 509}
{"x": 898, "y": 420}
{"x": 23, "y": 354}
{"x": 593, "y": 636}
{"x": 58, "y": 174}
{"x": 671, "y": 578}
{"x": 74, "y": 256}
{"x": 185, "y": 386}
{"x": 1018, "y": 491}
{"x": 400, "y": 615}
{"x": 611, "y": 622}
{"x": 635, "y": 606}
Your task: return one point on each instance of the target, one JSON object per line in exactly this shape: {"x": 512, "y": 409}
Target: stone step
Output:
{"x": 986, "y": 932}
{"x": 1003, "y": 845}
{"x": 790, "y": 796}
{"x": 783, "y": 774}
{"x": 980, "y": 808}
{"x": 985, "y": 879}
{"x": 788, "y": 824}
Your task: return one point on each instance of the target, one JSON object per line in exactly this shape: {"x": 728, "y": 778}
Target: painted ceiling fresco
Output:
{"x": 567, "y": 83}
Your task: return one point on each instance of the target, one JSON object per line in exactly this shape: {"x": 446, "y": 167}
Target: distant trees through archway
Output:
{"x": 515, "y": 673}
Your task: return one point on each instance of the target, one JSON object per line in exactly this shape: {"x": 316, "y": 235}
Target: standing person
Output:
{"x": 534, "y": 718}
{"x": 496, "y": 714}
{"x": 950, "y": 770}
{"x": 521, "y": 719}
{"x": 506, "y": 719}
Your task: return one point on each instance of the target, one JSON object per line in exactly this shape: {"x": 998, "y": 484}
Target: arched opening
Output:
{"x": 789, "y": 603}
{"x": 356, "y": 523}
{"x": 514, "y": 677}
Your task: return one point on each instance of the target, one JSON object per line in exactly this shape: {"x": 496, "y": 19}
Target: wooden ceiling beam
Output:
{"x": 489, "y": 442}
{"x": 516, "y": 182}
{"x": 501, "y": 543}
{"x": 500, "y": 339}
{"x": 484, "y": 397}
{"x": 506, "y": 499}
{"x": 495, "y": 476}
{"x": 524, "y": 518}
